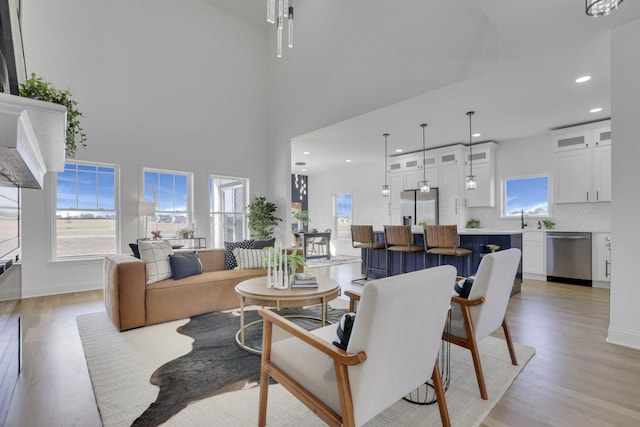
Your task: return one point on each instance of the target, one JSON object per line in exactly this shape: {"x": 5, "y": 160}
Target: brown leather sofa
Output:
{"x": 131, "y": 303}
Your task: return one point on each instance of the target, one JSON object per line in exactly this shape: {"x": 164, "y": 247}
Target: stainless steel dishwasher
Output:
{"x": 569, "y": 257}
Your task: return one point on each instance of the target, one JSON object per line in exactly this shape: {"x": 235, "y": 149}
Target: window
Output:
{"x": 526, "y": 194}
{"x": 86, "y": 210}
{"x": 343, "y": 215}
{"x": 171, "y": 192}
{"x": 227, "y": 212}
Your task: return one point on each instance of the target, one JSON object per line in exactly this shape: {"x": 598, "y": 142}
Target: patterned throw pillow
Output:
{"x": 343, "y": 333}
{"x": 229, "y": 259}
{"x": 249, "y": 258}
{"x": 155, "y": 255}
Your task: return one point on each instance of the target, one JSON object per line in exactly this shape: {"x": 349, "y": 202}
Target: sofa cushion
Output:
{"x": 260, "y": 244}
{"x": 185, "y": 265}
{"x": 230, "y": 260}
{"x": 249, "y": 258}
{"x": 155, "y": 255}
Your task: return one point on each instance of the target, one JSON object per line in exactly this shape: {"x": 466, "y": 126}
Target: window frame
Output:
{"x": 503, "y": 208}
{"x": 189, "y": 213}
{"x": 218, "y": 242}
{"x": 336, "y": 196}
{"x": 53, "y": 233}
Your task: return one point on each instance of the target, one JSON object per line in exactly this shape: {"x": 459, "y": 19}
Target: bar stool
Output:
{"x": 398, "y": 238}
{"x": 444, "y": 240}
{"x": 362, "y": 238}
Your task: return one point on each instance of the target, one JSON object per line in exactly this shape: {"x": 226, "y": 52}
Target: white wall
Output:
{"x": 624, "y": 327}
{"x": 369, "y": 207}
{"x": 163, "y": 84}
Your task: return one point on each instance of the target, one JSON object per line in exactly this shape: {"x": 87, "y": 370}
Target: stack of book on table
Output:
{"x": 304, "y": 280}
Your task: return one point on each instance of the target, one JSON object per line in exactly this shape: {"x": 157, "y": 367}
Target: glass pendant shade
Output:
{"x": 385, "y": 190}
{"x": 601, "y": 7}
{"x": 277, "y": 13}
{"x": 470, "y": 181}
{"x": 424, "y": 184}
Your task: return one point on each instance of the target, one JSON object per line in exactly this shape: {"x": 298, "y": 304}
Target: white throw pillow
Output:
{"x": 155, "y": 255}
{"x": 249, "y": 258}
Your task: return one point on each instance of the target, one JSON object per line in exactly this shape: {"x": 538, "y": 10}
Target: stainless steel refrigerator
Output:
{"x": 416, "y": 207}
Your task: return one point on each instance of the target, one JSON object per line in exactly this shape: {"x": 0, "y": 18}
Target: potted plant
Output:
{"x": 302, "y": 217}
{"x": 473, "y": 223}
{"x": 261, "y": 216}
{"x": 185, "y": 233}
{"x": 293, "y": 259}
{"x": 40, "y": 89}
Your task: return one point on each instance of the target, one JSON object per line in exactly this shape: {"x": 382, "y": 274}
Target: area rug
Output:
{"x": 121, "y": 366}
{"x": 334, "y": 260}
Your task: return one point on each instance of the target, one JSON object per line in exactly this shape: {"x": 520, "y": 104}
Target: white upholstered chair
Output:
{"x": 484, "y": 311}
{"x": 392, "y": 351}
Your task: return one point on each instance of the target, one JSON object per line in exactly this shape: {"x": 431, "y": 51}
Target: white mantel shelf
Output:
{"x": 32, "y": 139}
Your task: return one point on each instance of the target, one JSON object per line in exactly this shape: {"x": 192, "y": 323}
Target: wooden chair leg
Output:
{"x": 264, "y": 375}
{"x": 442, "y": 402}
{"x": 475, "y": 353}
{"x": 507, "y": 337}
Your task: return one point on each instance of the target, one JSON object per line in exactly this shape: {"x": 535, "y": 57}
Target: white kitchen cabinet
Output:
{"x": 411, "y": 178}
{"x": 533, "y": 255}
{"x": 395, "y": 165}
{"x": 449, "y": 196}
{"x": 582, "y": 164}
{"x": 396, "y": 186}
{"x": 484, "y": 194}
{"x": 601, "y": 259}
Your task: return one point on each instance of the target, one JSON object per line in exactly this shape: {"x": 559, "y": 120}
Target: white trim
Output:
{"x": 624, "y": 337}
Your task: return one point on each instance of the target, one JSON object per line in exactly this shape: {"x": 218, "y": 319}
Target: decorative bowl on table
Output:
{"x": 493, "y": 248}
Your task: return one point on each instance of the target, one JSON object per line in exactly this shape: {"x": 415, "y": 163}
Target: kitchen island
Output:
{"x": 474, "y": 239}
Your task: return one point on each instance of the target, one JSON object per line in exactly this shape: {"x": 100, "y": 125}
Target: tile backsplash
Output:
{"x": 573, "y": 217}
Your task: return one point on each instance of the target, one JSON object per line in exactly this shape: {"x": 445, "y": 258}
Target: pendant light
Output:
{"x": 601, "y": 7}
{"x": 385, "y": 187}
{"x": 471, "y": 183}
{"x": 424, "y": 184}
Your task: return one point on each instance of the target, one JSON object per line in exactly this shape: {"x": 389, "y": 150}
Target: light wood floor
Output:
{"x": 575, "y": 378}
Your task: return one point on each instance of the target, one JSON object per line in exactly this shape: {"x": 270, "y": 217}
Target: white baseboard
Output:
{"x": 624, "y": 337}
{"x": 530, "y": 276}
{"x": 60, "y": 289}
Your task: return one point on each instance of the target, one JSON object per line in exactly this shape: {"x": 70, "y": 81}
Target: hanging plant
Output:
{"x": 37, "y": 88}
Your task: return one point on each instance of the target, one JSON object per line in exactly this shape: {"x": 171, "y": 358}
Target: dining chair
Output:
{"x": 474, "y": 318}
{"x": 392, "y": 350}
{"x": 443, "y": 240}
{"x": 321, "y": 244}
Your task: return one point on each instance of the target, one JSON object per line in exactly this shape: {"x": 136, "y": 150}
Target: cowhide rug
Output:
{"x": 216, "y": 364}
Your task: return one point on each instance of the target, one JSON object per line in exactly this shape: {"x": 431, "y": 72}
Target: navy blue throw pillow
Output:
{"x": 463, "y": 287}
{"x": 185, "y": 265}
{"x": 343, "y": 333}
{"x": 134, "y": 249}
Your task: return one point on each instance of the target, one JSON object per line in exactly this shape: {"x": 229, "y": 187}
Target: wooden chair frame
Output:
{"x": 341, "y": 360}
{"x": 471, "y": 344}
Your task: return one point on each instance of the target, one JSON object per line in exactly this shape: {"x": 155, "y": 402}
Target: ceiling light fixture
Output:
{"x": 595, "y": 110}
{"x": 583, "y": 79}
{"x": 601, "y": 7}
{"x": 284, "y": 10}
{"x": 385, "y": 187}
{"x": 471, "y": 183}
{"x": 301, "y": 184}
{"x": 348, "y": 160}
{"x": 424, "y": 184}
{"x": 398, "y": 150}
{"x": 475, "y": 135}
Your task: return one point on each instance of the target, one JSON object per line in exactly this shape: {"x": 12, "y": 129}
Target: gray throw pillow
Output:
{"x": 185, "y": 265}
{"x": 261, "y": 244}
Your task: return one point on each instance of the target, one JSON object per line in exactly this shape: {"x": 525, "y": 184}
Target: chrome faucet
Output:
{"x": 523, "y": 223}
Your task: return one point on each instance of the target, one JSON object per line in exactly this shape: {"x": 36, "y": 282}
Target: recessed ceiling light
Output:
{"x": 304, "y": 170}
{"x": 583, "y": 79}
{"x": 306, "y": 152}
{"x": 475, "y": 135}
{"x": 399, "y": 150}
{"x": 300, "y": 163}
{"x": 595, "y": 110}
{"x": 348, "y": 161}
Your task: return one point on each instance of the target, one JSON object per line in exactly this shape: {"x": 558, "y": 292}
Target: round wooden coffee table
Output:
{"x": 255, "y": 292}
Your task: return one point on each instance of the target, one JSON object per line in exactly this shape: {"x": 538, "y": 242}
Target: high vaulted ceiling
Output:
{"x": 514, "y": 63}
